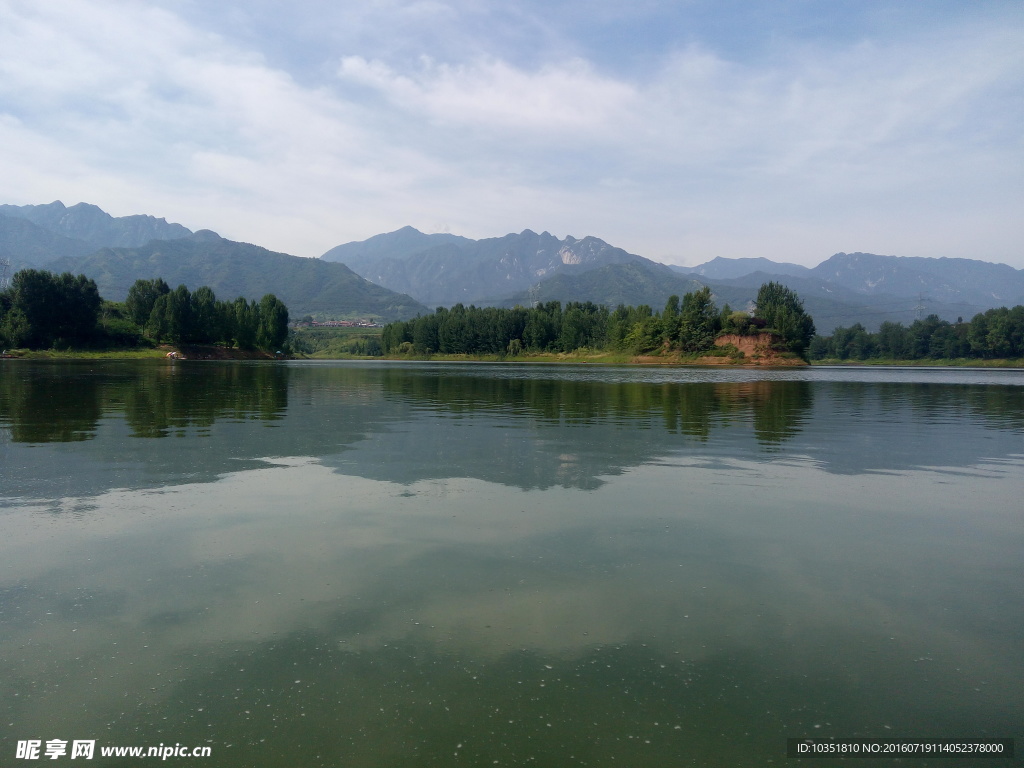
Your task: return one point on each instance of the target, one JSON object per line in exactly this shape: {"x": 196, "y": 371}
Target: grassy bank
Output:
{"x": 589, "y": 356}
{"x": 134, "y": 353}
{"x": 186, "y": 352}
{"x": 960, "y": 362}
{"x": 601, "y": 357}
{"x": 578, "y": 356}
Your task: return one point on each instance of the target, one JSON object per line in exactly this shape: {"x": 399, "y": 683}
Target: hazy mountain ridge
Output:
{"x": 842, "y": 290}
{"x": 638, "y": 283}
{"x": 26, "y": 244}
{"x": 720, "y": 268}
{"x": 632, "y": 284}
{"x": 830, "y": 305}
{"x": 399, "y": 244}
{"x": 945, "y": 280}
{"x": 443, "y": 269}
{"x": 449, "y": 269}
{"x": 95, "y": 226}
{"x": 231, "y": 269}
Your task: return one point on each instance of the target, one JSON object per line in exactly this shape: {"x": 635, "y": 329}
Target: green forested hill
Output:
{"x": 307, "y": 286}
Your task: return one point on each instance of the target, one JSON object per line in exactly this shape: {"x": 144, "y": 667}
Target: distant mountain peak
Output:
{"x": 969, "y": 281}
{"x": 92, "y": 225}
{"x": 87, "y": 207}
{"x": 720, "y": 268}
{"x": 446, "y": 269}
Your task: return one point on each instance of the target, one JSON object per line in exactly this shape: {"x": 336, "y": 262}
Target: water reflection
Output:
{"x": 777, "y": 408}
{"x": 526, "y": 427}
{"x": 64, "y": 402}
{"x": 49, "y": 408}
{"x": 176, "y": 397}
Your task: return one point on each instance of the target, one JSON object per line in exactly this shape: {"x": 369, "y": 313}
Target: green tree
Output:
{"x": 543, "y": 326}
{"x": 644, "y": 335}
{"x": 157, "y": 323}
{"x": 1003, "y": 331}
{"x": 115, "y": 327}
{"x": 731, "y": 321}
{"x": 272, "y": 327}
{"x": 180, "y": 322}
{"x": 583, "y": 325}
{"x": 395, "y": 334}
{"x": 893, "y": 341}
{"x": 454, "y": 333}
{"x": 783, "y": 312}
{"x": 46, "y": 309}
{"x": 14, "y": 328}
{"x": 141, "y": 298}
{"x": 698, "y": 319}
{"x": 226, "y": 322}
{"x": 670, "y": 320}
{"x": 246, "y": 323}
{"x": 206, "y": 318}
{"x": 818, "y": 349}
{"x": 920, "y": 336}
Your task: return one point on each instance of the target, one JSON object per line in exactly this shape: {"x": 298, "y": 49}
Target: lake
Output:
{"x": 414, "y": 564}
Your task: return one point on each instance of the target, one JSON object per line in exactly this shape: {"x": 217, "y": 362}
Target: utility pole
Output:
{"x": 4, "y": 264}
{"x": 534, "y": 293}
{"x": 919, "y": 309}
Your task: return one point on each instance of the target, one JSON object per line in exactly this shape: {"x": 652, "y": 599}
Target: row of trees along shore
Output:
{"x": 687, "y": 326}
{"x": 42, "y": 310}
{"x": 993, "y": 334}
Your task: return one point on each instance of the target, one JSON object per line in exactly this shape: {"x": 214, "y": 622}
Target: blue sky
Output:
{"x": 677, "y": 130}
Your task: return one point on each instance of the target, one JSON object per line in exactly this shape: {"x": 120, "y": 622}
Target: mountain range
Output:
{"x": 306, "y": 286}
{"x": 844, "y": 289}
{"x": 81, "y": 229}
{"x": 446, "y": 269}
{"x": 117, "y": 251}
{"x": 403, "y": 273}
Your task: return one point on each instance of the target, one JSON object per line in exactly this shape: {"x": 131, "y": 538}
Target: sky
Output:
{"x": 679, "y": 130}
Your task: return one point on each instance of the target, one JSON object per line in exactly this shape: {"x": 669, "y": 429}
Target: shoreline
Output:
{"x": 203, "y": 353}
{"x": 163, "y": 352}
{"x": 959, "y": 362}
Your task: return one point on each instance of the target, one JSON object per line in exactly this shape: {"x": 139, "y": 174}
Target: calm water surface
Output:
{"x": 425, "y": 565}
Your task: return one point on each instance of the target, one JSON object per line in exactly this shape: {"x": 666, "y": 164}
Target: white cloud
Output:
{"x": 567, "y": 99}
{"x": 128, "y": 106}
